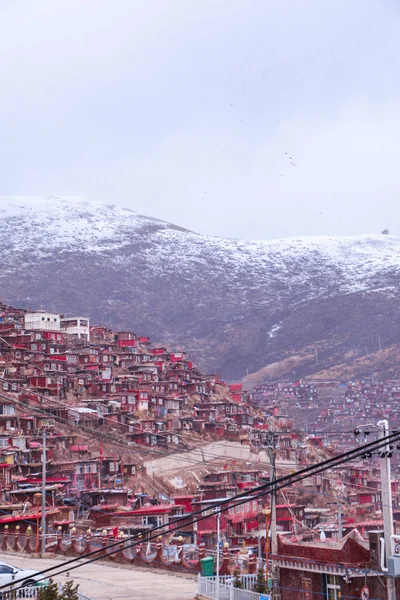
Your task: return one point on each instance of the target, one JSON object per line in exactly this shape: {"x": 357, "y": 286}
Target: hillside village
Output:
{"x": 112, "y": 405}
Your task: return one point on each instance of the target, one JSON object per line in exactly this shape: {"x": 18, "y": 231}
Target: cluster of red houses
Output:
{"x": 81, "y": 382}
{"x": 332, "y": 409}
{"x": 95, "y": 376}
{"x": 103, "y": 397}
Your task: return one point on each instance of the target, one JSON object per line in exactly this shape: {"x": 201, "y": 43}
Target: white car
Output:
{"x": 10, "y": 574}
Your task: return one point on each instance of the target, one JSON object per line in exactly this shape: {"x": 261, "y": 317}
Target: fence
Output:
{"x": 183, "y": 557}
{"x": 248, "y": 581}
{"x": 127, "y": 550}
{"x": 209, "y": 587}
{"x": 30, "y": 592}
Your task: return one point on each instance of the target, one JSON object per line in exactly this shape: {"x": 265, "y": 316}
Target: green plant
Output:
{"x": 49, "y": 592}
{"x": 237, "y": 582}
{"x": 260, "y": 585}
{"x": 69, "y": 591}
{"x": 52, "y": 591}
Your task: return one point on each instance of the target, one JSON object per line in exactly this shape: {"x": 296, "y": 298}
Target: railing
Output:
{"x": 248, "y": 581}
{"x": 29, "y": 591}
{"x": 209, "y": 587}
{"x": 126, "y": 550}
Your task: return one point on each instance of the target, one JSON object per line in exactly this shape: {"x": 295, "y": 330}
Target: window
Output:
{"x": 333, "y": 587}
{"x": 6, "y": 569}
{"x": 7, "y": 409}
{"x": 156, "y": 521}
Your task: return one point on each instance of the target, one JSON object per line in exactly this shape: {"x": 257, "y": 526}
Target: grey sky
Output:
{"x": 184, "y": 110}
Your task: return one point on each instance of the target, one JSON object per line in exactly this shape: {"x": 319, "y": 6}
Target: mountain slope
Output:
{"x": 236, "y": 305}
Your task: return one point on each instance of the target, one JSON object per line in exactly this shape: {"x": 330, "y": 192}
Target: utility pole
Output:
{"x": 379, "y": 340}
{"x": 386, "y": 489}
{"x": 271, "y": 444}
{"x": 339, "y": 518}
{"x": 274, "y": 542}
{"x": 100, "y": 466}
{"x": 218, "y": 545}
{"x": 387, "y": 506}
{"x": 43, "y": 545}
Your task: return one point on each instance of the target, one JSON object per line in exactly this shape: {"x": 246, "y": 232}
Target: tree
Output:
{"x": 52, "y": 591}
{"x": 69, "y": 591}
{"x": 237, "y": 582}
{"x": 260, "y": 586}
{"x": 385, "y": 232}
{"x": 49, "y": 591}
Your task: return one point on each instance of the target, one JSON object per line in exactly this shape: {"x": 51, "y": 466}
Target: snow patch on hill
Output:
{"x": 46, "y": 225}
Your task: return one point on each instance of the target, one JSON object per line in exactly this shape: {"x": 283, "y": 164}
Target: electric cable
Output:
{"x": 225, "y": 504}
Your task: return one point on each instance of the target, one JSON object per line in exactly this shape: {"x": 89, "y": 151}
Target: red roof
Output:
{"x": 27, "y": 517}
{"x": 48, "y": 480}
{"x": 153, "y": 510}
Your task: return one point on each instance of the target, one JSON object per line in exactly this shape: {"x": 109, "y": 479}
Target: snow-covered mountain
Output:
{"x": 235, "y": 304}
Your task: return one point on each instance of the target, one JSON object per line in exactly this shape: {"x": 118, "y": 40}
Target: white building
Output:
{"x": 43, "y": 321}
{"x": 78, "y": 326}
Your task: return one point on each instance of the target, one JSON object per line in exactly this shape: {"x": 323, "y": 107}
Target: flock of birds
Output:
{"x": 292, "y": 163}
{"x": 290, "y": 158}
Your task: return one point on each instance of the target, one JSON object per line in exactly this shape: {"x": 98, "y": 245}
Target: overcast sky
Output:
{"x": 251, "y": 118}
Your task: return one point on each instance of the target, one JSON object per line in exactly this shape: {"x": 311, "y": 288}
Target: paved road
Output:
{"x": 103, "y": 581}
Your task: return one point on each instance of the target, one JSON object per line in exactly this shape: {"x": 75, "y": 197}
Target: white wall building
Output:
{"x": 43, "y": 321}
{"x": 76, "y": 326}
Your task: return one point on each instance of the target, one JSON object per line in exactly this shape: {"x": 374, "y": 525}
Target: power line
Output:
{"x": 113, "y": 438}
{"x": 226, "y": 504}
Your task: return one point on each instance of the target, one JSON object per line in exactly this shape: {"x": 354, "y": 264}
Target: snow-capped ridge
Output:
{"x": 242, "y": 302}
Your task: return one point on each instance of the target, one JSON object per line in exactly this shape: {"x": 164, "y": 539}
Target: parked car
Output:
{"x": 10, "y": 574}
